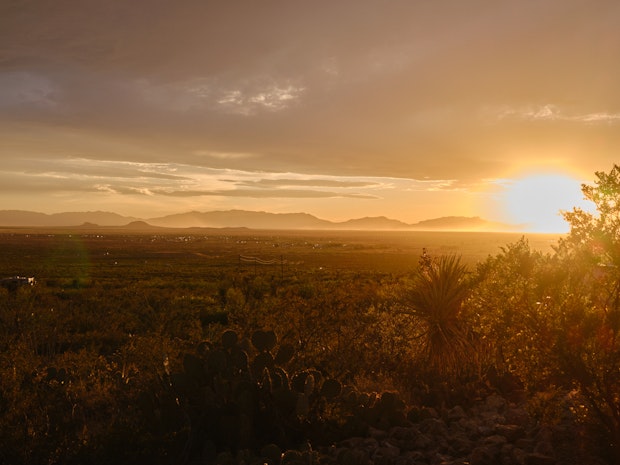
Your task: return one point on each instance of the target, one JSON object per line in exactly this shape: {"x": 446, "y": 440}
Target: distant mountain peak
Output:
{"x": 241, "y": 219}
{"x": 375, "y": 222}
{"x": 37, "y": 219}
{"x": 462, "y": 223}
{"x": 138, "y": 224}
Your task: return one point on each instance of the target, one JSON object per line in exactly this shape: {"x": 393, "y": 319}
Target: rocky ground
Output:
{"x": 492, "y": 431}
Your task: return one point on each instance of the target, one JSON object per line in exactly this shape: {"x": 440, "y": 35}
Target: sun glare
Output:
{"x": 536, "y": 201}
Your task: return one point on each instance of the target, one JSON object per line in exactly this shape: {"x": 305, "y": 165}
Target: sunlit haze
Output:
{"x": 536, "y": 201}
{"x": 405, "y": 109}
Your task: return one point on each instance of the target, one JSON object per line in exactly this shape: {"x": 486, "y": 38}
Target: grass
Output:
{"x": 57, "y": 255}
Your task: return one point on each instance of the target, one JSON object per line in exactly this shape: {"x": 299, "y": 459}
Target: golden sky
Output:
{"x": 342, "y": 109}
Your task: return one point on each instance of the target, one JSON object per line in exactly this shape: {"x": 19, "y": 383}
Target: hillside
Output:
{"x": 14, "y": 218}
{"x": 243, "y": 219}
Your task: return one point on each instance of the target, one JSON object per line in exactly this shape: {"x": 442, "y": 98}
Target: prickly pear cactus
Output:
{"x": 331, "y": 388}
{"x": 238, "y": 394}
{"x": 229, "y": 339}
{"x": 264, "y": 340}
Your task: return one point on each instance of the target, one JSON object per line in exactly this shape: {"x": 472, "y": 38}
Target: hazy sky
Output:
{"x": 343, "y": 109}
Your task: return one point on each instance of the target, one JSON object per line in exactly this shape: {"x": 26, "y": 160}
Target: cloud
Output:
{"x": 272, "y": 98}
{"x": 549, "y": 112}
{"x": 267, "y": 193}
{"x": 599, "y": 118}
{"x": 43, "y": 185}
{"x": 245, "y": 97}
{"x": 281, "y": 183}
{"x": 25, "y": 89}
{"x": 224, "y": 155}
{"x": 172, "y": 179}
{"x": 83, "y": 167}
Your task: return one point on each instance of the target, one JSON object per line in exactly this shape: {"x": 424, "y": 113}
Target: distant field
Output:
{"x": 82, "y": 254}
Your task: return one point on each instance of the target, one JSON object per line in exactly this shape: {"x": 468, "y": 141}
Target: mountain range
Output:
{"x": 241, "y": 219}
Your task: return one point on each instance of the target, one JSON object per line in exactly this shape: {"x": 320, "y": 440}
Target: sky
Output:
{"x": 343, "y": 109}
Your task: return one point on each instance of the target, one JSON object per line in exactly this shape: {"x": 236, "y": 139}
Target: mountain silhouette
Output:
{"x": 242, "y": 219}
{"x": 36, "y": 219}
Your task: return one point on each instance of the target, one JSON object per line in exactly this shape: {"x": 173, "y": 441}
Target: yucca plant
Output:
{"x": 436, "y": 301}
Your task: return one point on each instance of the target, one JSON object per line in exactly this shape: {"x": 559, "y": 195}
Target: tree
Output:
{"x": 512, "y": 302}
{"x": 589, "y": 345}
{"x": 597, "y": 235}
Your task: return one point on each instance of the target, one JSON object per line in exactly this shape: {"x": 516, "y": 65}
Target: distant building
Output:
{"x": 15, "y": 282}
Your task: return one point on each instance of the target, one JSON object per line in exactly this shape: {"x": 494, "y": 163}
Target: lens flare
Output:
{"x": 536, "y": 201}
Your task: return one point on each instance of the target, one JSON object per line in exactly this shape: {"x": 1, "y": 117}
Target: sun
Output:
{"x": 535, "y": 201}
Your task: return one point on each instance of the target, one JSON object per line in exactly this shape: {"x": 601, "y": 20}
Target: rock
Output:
{"x": 538, "y": 459}
{"x": 527, "y": 444}
{"x": 434, "y": 426}
{"x": 422, "y": 442}
{"x": 491, "y": 418}
{"x": 470, "y": 426}
{"x": 517, "y": 416}
{"x": 544, "y": 447}
{"x": 460, "y": 444}
{"x": 505, "y": 454}
{"x": 353, "y": 457}
{"x": 456, "y": 413}
{"x": 385, "y": 453}
{"x": 378, "y": 434}
{"x": 440, "y": 445}
{"x": 370, "y": 444}
{"x": 352, "y": 443}
{"x": 519, "y": 456}
{"x": 443, "y": 459}
{"x": 495, "y": 403}
{"x": 404, "y": 433}
{"x": 488, "y": 451}
{"x": 484, "y": 430}
{"x": 495, "y": 440}
{"x": 511, "y": 432}
{"x": 414, "y": 457}
{"x": 484, "y": 455}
